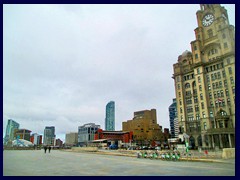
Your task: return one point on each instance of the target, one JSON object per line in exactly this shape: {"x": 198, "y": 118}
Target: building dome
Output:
{"x": 186, "y": 53}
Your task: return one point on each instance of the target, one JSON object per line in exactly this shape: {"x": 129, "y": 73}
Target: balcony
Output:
{"x": 221, "y": 130}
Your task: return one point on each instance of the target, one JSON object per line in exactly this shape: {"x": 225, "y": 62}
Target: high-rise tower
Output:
{"x": 110, "y": 116}
{"x": 173, "y": 119}
{"x": 205, "y": 81}
{"x": 12, "y": 126}
{"x": 49, "y": 135}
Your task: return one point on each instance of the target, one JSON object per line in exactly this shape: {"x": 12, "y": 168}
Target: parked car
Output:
{"x": 113, "y": 146}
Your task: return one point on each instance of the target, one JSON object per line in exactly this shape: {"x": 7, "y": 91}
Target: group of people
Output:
{"x": 47, "y": 147}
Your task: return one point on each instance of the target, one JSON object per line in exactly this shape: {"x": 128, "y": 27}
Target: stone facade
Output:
{"x": 205, "y": 81}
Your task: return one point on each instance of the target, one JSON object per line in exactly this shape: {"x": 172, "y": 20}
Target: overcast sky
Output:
{"x": 63, "y": 63}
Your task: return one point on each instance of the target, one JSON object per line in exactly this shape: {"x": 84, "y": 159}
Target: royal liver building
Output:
{"x": 205, "y": 81}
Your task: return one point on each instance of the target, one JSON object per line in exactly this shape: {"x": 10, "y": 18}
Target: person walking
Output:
{"x": 49, "y": 149}
{"x": 45, "y": 149}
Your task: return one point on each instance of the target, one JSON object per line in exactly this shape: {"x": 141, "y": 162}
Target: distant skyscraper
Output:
{"x": 173, "y": 119}
{"x": 110, "y": 116}
{"x": 49, "y": 135}
{"x": 12, "y": 126}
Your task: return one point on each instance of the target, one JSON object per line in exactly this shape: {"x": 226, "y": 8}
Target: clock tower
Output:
{"x": 205, "y": 81}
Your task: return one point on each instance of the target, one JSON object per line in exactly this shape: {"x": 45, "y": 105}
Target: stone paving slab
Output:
{"x": 67, "y": 163}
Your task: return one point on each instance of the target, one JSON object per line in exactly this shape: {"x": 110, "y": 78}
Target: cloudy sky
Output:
{"x": 63, "y": 63}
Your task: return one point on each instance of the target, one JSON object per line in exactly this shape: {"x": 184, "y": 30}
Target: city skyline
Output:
{"x": 63, "y": 63}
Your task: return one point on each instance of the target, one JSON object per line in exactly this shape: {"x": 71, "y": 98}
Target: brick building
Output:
{"x": 116, "y": 137}
{"x": 144, "y": 126}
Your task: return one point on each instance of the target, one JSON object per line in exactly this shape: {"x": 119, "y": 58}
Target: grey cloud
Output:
{"x": 63, "y": 63}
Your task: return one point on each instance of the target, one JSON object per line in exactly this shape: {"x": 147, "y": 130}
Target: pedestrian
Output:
{"x": 45, "y": 149}
{"x": 49, "y": 149}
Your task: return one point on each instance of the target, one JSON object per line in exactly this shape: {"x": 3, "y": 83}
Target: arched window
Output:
{"x": 194, "y": 84}
{"x": 187, "y": 85}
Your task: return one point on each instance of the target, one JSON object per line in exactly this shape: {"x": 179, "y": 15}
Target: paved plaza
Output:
{"x": 63, "y": 163}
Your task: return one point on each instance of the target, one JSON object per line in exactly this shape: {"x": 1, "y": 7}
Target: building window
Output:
{"x": 228, "y": 61}
{"x": 226, "y": 92}
{"x": 220, "y": 84}
{"x": 222, "y": 95}
{"x": 211, "y": 104}
{"x": 181, "y": 110}
{"x": 199, "y": 79}
{"x": 223, "y": 36}
{"x": 211, "y": 114}
{"x": 210, "y": 95}
{"x": 187, "y": 85}
{"x": 228, "y": 101}
{"x": 213, "y": 85}
{"x": 195, "y": 100}
{"x": 225, "y": 45}
{"x": 205, "y": 126}
{"x": 208, "y": 79}
{"x": 215, "y": 94}
{"x": 178, "y": 79}
{"x": 202, "y": 104}
{"x": 181, "y": 118}
{"x": 200, "y": 88}
{"x": 197, "y": 116}
{"x": 178, "y": 86}
{"x": 219, "y": 75}
{"x": 209, "y": 87}
{"x": 212, "y": 77}
{"x": 223, "y": 102}
{"x": 179, "y": 94}
{"x": 180, "y": 102}
{"x": 196, "y": 108}
{"x": 201, "y": 96}
{"x": 210, "y": 33}
{"x": 218, "y": 94}
{"x": 188, "y": 93}
{"x": 195, "y": 47}
{"x": 196, "y": 56}
{"x": 231, "y": 79}
{"x": 225, "y": 83}
{"x": 230, "y": 70}
{"x": 223, "y": 73}
{"x": 189, "y": 109}
{"x": 189, "y": 100}
{"x": 198, "y": 70}
{"x": 233, "y": 89}
{"x": 203, "y": 114}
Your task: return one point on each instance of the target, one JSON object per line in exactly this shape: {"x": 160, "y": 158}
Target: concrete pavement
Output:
{"x": 66, "y": 163}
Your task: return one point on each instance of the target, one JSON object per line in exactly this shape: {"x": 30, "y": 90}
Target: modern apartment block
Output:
{"x": 86, "y": 133}
{"x": 36, "y": 139}
{"x": 49, "y": 135}
{"x": 205, "y": 81}
{"x": 173, "y": 119}
{"x": 12, "y": 126}
{"x": 22, "y": 134}
{"x": 144, "y": 127}
{"x": 110, "y": 116}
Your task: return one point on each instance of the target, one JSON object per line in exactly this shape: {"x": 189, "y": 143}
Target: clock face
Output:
{"x": 208, "y": 20}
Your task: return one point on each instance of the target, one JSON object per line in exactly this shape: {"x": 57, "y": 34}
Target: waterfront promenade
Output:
{"x": 67, "y": 163}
